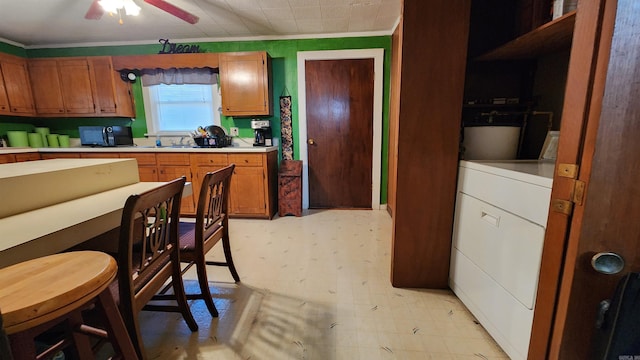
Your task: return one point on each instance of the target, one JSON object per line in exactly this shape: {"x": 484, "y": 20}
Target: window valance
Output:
{"x": 174, "y": 76}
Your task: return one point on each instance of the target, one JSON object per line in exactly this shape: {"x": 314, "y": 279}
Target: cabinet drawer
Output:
{"x": 172, "y": 159}
{"x": 141, "y": 158}
{"x": 527, "y": 200}
{"x": 245, "y": 159}
{"x": 508, "y": 248}
{"x": 209, "y": 159}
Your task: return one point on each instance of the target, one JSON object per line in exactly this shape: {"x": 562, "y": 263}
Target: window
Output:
{"x": 180, "y": 109}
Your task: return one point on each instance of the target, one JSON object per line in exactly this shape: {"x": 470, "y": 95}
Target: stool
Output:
{"x": 52, "y": 291}
{"x": 290, "y": 188}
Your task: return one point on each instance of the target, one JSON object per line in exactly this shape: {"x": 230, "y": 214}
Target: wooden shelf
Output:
{"x": 552, "y": 36}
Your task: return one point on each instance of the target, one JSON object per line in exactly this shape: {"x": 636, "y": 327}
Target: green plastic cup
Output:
{"x": 63, "y": 140}
{"x": 52, "y": 139}
{"x": 35, "y": 140}
{"x": 18, "y": 138}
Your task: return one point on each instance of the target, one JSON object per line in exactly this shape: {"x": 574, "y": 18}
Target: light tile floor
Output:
{"x": 317, "y": 287}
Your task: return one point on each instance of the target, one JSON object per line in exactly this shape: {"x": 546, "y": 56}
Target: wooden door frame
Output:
{"x": 376, "y": 162}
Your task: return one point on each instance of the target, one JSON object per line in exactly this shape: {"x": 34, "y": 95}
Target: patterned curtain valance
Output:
{"x": 204, "y": 76}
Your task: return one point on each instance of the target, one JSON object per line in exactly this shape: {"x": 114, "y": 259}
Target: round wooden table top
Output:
{"x": 42, "y": 289}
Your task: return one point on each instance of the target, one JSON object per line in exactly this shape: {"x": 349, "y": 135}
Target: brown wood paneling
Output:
{"x": 434, "y": 45}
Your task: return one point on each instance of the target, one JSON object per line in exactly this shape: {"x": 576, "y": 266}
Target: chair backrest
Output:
{"x": 148, "y": 243}
{"x": 212, "y": 203}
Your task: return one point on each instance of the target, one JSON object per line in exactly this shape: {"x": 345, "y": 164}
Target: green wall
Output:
{"x": 284, "y": 71}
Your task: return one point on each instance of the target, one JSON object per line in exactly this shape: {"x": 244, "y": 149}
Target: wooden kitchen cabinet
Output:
{"x": 15, "y": 89}
{"x": 4, "y": 100}
{"x": 57, "y": 155}
{"x": 7, "y": 158}
{"x": 75, "y": 82}
{"x": 172, "y": 166}
{"x": 253, "y": 185}
{"x": 146, "y": 165}
{"x": 99, "y": 155}
{"x": 27, "y": 157}
{"x": 201, "y": 164}
{"x": 45, "y": 83}
{"x": 79, "y": 86}
{"x": 103, "y": 85}
{"x": 245, "y": 83}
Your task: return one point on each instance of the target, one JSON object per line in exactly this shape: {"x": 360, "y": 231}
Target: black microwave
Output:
{"x": 105, "y": 135}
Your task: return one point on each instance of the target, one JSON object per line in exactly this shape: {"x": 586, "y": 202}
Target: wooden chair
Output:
{"x": 52, "y": 292}
{"x": 148, "y": 257}
{"x": 211, "y": 226}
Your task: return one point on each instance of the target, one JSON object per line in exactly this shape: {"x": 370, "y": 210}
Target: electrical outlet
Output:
{"x": 234, "y": 131}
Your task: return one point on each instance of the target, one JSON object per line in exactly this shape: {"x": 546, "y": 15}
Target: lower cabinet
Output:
{"x": 147, "y": 168}
{"x": 172, "y": 166}
{"x": 254, "y": 185}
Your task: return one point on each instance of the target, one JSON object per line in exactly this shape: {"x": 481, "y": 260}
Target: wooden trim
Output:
{"x": 578, "y": 94}
{"x": 166, "y": 61}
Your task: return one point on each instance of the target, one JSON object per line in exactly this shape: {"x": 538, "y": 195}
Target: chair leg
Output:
{"x": 226, "y": 246}
{"x": 201, "y": 269}
{"x": 181, "y": 297}
{"x": 118, "y": 334}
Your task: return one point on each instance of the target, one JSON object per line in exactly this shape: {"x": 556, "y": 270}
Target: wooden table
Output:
{"x": 58, "y": 227}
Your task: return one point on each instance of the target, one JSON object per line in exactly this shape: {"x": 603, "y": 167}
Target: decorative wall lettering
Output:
{"x": 169, "y": 48}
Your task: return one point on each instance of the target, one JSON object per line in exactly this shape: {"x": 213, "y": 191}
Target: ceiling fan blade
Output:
{"x": 95, "y": 11}
{"x": 174, "y": 10}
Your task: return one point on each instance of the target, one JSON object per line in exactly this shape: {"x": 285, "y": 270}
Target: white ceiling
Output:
{"x": 60, "y": 23}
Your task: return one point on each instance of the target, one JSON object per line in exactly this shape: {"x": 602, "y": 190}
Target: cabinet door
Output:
{"x": 103, "y": 81}
{"x": 45, "y": 83}
{"x": 75, "y": 83}
{"x": 245, "y": 84}
{"x": 201, "y": 164}
{"x": 171, "y": 172}
{"x": 65, "y": 155}
{"x": 17, "y": 85}
{"x": 146, "y": 164}
{"x": 124, "y": 98}
{"x": 148, "y": 173}
{"x": 247, "y": 195}
{"x": 4, "y": 101}
{"x": 99, "y": 155}
{"x": 7, "y": 158}
{"x": 27, "y": 157}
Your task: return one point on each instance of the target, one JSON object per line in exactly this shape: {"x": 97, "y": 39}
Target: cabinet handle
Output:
{"x": 491, "y": 219}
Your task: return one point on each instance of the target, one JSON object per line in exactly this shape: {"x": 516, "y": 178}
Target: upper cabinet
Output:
{"x": 78, "y": 86}
{"x": 245, "y": 84}
{"x": 112, "y": 94}
{"x": 15, "y": 91}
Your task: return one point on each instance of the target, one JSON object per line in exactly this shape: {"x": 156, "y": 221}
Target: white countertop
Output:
{"x": 120, "y": 149}
{"x": 538, "y": 172}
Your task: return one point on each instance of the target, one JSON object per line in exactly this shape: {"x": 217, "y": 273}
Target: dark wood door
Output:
{"x": 599, "y": 132}
{"x": 339, "y": 95}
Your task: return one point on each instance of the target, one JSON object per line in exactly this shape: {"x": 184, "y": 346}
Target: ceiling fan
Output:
{"x": 96, "y": 11}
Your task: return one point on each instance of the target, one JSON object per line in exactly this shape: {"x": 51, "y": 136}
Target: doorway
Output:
{"x": 378, "y": 56}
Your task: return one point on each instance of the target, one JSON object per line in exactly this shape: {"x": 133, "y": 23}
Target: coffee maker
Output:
{"x": 262, "y": 133}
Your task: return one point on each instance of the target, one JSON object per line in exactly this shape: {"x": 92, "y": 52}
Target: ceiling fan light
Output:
{"x": 111, "y": 6}
{"x": 131, "y": 8}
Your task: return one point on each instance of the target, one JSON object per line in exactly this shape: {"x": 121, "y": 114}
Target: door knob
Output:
{"x": 311, "y": 141}
{"x": 607, "y": 263}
